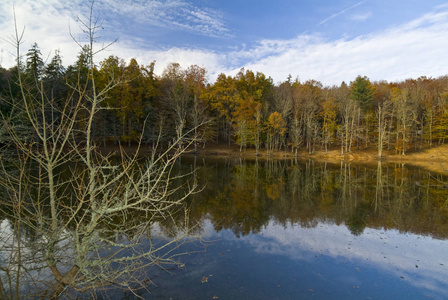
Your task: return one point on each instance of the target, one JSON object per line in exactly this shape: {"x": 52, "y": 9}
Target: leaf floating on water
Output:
{"x": 204, "y": 279}
{"x": 215, "y": 297}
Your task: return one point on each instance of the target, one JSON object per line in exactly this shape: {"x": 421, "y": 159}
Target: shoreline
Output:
{"x": 433, "y": 159}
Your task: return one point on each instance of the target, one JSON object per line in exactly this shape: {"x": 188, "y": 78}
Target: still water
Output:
{"x": 307, "y": 230}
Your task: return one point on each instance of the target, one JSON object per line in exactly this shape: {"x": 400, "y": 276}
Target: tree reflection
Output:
{"x": 244, "y": 196}
{"x": 240, "y": 205}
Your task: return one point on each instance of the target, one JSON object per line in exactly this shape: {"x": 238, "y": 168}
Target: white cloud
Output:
{"x": 414, "y": 49}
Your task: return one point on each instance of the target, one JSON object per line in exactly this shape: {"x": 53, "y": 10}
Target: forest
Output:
{"x": 247, "y": 109}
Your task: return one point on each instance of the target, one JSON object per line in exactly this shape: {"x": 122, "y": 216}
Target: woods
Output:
{"x": 243, "y": 109}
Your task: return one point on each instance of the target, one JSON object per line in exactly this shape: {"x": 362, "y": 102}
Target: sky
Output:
{"x": 325, "y": 40}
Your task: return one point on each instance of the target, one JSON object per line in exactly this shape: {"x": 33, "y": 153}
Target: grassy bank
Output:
{"x": 434, "y": 159}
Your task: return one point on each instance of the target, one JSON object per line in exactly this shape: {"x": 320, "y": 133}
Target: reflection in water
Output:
{"x": 287, "y": 230}
{"x": 418, "y": 259}
{"x": 245, "y": 196}
{"x": 291, "y": 230}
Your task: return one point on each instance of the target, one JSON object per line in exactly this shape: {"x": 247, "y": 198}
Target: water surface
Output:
{"x": 306, "y": 230}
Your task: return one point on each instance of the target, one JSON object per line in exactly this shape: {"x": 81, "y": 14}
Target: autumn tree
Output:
{"x": 430, "y": 108}
{"x": 349, "y": 110}
{"x": 283, "y": 102}
{"x": 175, "y": 97}
{"x": 383, "y": 112}
{"x": 329, "y": 121}
{"x": 111, "y": 69}
{"x": 432, "y": 93}
{"x": 439, "y": 128}
{"x": 258, "y": 127}
{"x": 132, "y": 102}
{"x": 222, "y": 98}
{"x": 246, "y": 123}
{"x": 275, "y": 128}
{"x": 295, "y": 133}
{"x": 284, "y": 99}
{"x": 254, "y": 92}
{"x": 308, "y": 97}
{"x": 198, "y": 115}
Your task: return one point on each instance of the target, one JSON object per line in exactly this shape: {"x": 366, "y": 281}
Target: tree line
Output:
{"x": 247, "y": 109}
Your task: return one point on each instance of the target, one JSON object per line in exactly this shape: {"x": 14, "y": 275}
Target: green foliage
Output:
{"x": 34, "y": 63}
{"x": 362, "y": 92}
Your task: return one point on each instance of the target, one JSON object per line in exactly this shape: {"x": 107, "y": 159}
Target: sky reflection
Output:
{"x": 419, "y": 260}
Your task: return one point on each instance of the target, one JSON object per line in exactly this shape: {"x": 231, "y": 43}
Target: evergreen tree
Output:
{"x": 34, "y": 63}
{"x": 53, "y": 77}
{"x": 362, "y": 92}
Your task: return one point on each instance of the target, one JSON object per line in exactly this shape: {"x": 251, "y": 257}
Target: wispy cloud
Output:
{"x": 361, "y": 16}
{"x": 174, "y": 14}
{"x": 48, "y": 23}
{"x": 341, "y": 12}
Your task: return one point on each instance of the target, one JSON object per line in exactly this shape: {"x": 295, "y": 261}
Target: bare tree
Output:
{"x": 349, "y": 111}
{"x": 405, "y": 112}
{"x": 78, "y": 205}
{"x": 382, "y": 114}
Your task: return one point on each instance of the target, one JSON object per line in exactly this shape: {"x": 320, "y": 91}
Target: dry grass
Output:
{"x": 434, "y": 159}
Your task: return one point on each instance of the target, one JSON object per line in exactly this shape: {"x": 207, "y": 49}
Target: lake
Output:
{"x": 276, "y": 229}
{"x": 285, "y": 229}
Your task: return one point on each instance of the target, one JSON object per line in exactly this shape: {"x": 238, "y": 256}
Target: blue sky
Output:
{"x": 329, "y": 41}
